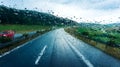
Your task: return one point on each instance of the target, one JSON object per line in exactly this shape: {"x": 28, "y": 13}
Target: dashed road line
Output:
{"x": 40, "y": 55}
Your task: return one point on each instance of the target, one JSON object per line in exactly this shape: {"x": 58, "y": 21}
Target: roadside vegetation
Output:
{"x": 111, "y": 39}
{"x": 105, "y": 39}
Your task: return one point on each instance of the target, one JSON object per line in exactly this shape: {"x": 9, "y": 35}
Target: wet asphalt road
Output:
{"x": 57, "y": 49}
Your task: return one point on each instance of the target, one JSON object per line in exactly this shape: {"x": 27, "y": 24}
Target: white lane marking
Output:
{"x": 87, "y": 62}
{"x": 40, "y": 55}
{"x": 6, "y": 53}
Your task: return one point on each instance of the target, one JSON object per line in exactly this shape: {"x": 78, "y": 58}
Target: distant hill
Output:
{"x": 113, "y": 27}
{"x": 92, "y": 25}
{"x": 29, "y": 17}
{"x": 114, "y": 24}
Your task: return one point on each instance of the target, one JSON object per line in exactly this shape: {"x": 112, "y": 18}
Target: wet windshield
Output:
{"x": 59, "y": 33}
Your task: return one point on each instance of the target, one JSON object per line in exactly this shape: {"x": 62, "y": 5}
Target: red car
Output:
{"x": 9, "y": 34}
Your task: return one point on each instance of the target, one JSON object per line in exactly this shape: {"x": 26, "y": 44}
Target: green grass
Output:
{"x": 99, "y": 35}
{"x": 22, "y": 28}
{"x": 102, "y": 39}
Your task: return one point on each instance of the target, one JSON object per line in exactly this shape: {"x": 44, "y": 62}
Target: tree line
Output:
{"x": 29, "y": 17}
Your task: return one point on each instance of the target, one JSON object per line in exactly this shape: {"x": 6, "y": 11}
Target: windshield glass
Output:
{"x": 60, "y": 33}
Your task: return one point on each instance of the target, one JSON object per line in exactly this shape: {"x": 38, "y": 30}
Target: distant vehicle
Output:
{"x": 7, "y": 34}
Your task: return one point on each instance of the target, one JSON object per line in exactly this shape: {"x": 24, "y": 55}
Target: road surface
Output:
{"x": 57, "y": 49}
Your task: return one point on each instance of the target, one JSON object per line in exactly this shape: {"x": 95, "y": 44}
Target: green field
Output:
{"x": 22, "y": 28}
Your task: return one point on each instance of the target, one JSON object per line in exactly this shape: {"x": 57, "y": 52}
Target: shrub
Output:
{"x": 85, "y": 33}
{"x": 25, "y": 35}
{"x": 111, "y": 42}
{"x": 5, "y": 39}
{"x": 37, "y": 31}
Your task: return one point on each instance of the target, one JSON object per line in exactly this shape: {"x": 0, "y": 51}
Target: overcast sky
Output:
{"x": 90, "y": 10}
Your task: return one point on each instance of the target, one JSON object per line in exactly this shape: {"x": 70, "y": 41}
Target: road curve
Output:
{"x": 57, "y": 49}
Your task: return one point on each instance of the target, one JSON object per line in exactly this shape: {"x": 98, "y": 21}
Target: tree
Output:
{"x": 85, "y": 33}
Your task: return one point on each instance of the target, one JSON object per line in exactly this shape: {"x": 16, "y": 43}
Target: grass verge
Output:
{"x": 113, "y": 51}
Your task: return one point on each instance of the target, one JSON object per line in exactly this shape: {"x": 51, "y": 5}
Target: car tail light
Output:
{"x": 4, "y": 35}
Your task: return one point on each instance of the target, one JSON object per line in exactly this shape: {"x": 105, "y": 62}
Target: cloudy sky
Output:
{"x": 104, "y": 11}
